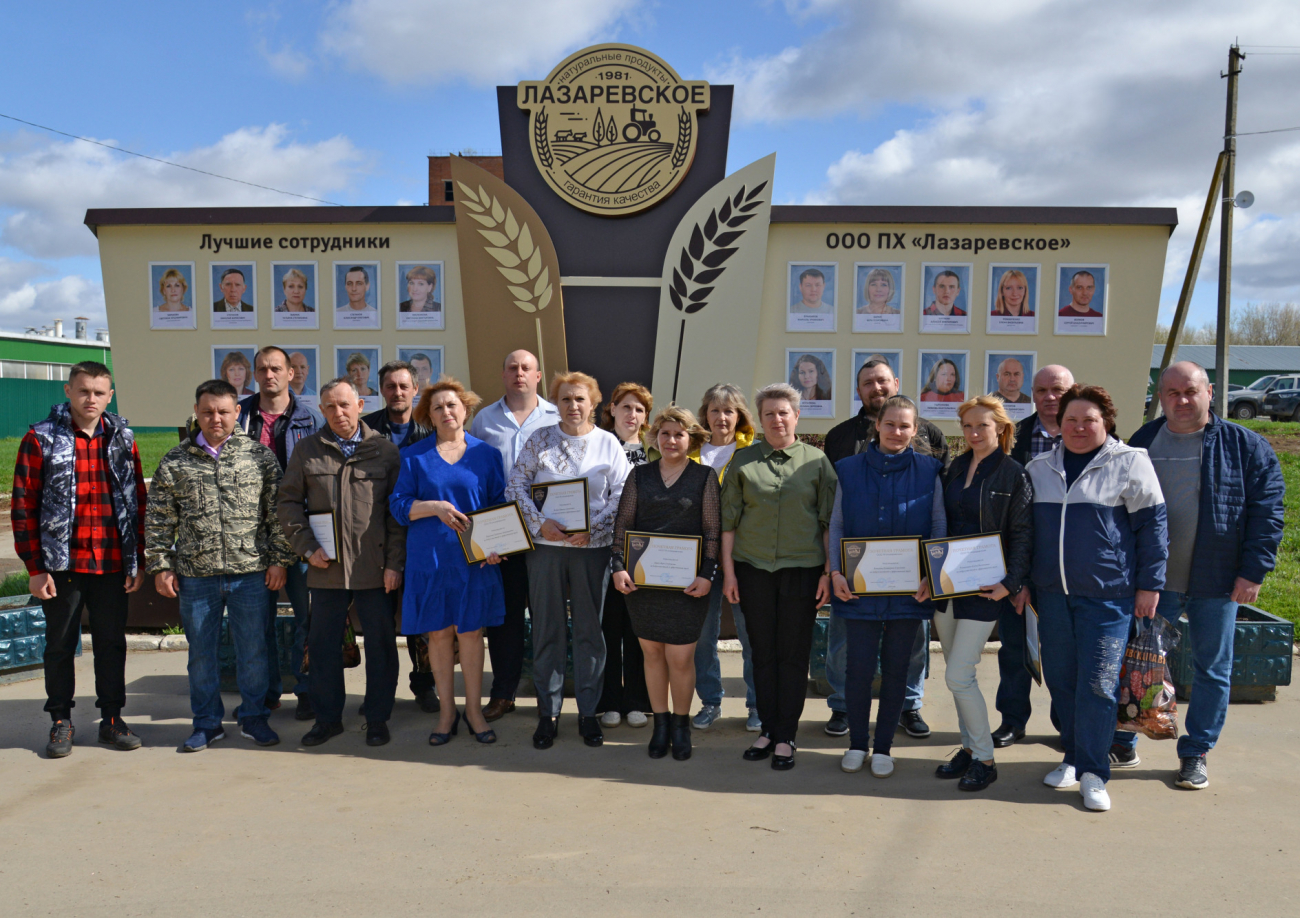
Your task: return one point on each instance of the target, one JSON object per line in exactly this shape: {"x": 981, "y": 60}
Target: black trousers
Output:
{"x": 624, "y": 661}
{"x": 506, "y": 640}
{"x": 1014, "y": 681}
{"x": 329, "y": 612}
{"x": 780, "y": 609}
{"x": 105, "y": 596}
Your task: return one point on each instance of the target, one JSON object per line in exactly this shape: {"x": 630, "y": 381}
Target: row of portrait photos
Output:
{"x": 358, "y": 362}
{"x": 944, "y": 379}
{"x": 295, "y": 296}
{"x": 946, "y": 301}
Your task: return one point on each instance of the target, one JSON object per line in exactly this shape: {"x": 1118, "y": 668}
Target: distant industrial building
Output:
{"x": 34, "y": 366}
{"x": 1246, "y": 362}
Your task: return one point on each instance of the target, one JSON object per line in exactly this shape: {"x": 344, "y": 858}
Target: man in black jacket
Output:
{"x": 877, "y": 382}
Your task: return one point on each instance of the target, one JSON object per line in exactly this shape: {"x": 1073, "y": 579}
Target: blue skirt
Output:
{"x": 431, "y": 603}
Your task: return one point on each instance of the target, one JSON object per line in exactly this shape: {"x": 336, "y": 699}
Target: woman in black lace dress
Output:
{"x": 671, "y": 495}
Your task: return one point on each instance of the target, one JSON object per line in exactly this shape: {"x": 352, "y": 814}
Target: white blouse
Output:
{"x": 552, "y": 455}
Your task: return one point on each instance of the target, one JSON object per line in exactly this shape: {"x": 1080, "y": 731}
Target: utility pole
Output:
{"x": 1235, "y": 57}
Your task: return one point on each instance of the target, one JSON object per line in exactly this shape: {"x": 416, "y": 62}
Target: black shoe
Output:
{"x": 978, "y": 776}
{"x": 304, "y": 710}
{"x": 544, "y": 735}
{"x": 60, "y": 743}
{"x": 1193, "y": 775}
{"x": 911, "y": 722}
{"x": 783, "y": 762}
{"x": 589, "y": 730}
{"x": 681, "y": 733}
{"x": 758, "y": 753}
{"x": 428, "y": 702}
{"x": 118, "y": 735}
{"x": 377, "y": 734}
{"x": 659, "y": 740}
{"x": 838, "y": 725}
{"x": 1124, "y": 757}
{"x": 442, "y": 739}
{"x": 1005, "y": 735}
{"x": 320, "y": 733}
{"x": 956, "y": 766}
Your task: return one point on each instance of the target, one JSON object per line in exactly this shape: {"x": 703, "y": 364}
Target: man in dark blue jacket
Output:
{"x": 1223, "y": 494}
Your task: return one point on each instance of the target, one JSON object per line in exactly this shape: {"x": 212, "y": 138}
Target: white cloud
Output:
{"x": 25, "y": 302}
{"x": 485, "y": 42}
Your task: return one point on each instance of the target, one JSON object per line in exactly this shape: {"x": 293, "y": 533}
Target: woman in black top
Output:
{"x": 671, "y": 495}
{"x": 985, "y": 491}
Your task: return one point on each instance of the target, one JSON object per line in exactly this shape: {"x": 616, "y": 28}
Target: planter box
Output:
{"x": 1261, "y": 656}
{"x": 22, "y": 639}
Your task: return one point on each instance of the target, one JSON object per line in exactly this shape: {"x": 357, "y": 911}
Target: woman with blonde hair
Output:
{"x": 674, "y": 496}
{"x": 236, "y": 370}
{"x": 294, "y": 285}
{"x": 1013, "y": 295}
{"x": 442, "y": 478}
{"x": 985, "y": 491}
{"x": 173, "y": 287}
{"x": 569, "y": 563}
{"x": 877, "y": 291}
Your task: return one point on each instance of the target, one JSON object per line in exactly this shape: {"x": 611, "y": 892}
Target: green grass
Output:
{"x": 14, "y": 585}
{"x": 153, "y": 446}
{"x": 1272, "y": 428}
{"x": 1280, "y": 593}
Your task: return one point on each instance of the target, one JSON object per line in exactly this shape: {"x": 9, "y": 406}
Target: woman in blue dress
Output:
{"x": 442, "y": 478}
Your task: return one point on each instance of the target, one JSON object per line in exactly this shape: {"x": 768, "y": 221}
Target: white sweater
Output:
{"x": 552, "y": 455}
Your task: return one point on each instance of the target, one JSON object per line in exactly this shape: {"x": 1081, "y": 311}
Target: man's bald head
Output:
{"x": 521, "y": 357}
{"x": 1011, "y": 376}
{"x": 1185, "y": 395}
{"x": 1184, "y": 372}
{"x": 1050, "y": 383}
{"x": 521, "y": 375}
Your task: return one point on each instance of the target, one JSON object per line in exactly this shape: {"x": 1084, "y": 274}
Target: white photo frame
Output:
{"x": 956, "y": 321}
{"x": 822, "y": 360}
{"x": 220, "y": 370}
{"x": 1000, "y": 319}
{"x": 945, "y": 396}
{"x": 1021, "y": 405}
{"x": 281, "y": 283}
{"x": 244, "y": 315}
{"x": 374, "y": 355}
{"x": 406, "y": 318}
{"x": 869, "y": 278}
{"x": 818, "y": 318}
{"x": 163, "y": 274}
{"x": 1068, "y": 320}
{"x": 307, "y": 392}
{"x": 861, "y": 355}
{"x": 346, "y": 316}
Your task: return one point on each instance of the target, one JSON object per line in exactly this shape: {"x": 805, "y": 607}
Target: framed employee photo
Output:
{"x": 356, "y": 295}
{"x": 1082, "y": 299}
{"x": 233, "y": 294}
{"x": 419, "y": 295}
{"x": 360, "y": 363}
{"x": 812, "y": 373}
{"x": 295, "y": 295}
{"x": 878, "y": 298}
{"x": 945, "y": 299}
{"x": 941, "y": 383}
{"x": 810, "y": 297}
{"x": 1009, "y": 375}
{"x": 427, "y": 363}
{"x": 304, "y": 364}
{"x": 1013, "y": 299}
{"x": 234, "y": 364}
{"x": 863, "y": 356}
{"x": 171, "y": 296}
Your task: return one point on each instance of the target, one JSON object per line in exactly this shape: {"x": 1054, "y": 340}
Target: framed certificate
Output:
{"x": 882, "y": 567}
{"x": 500, "y": 529}
{"x": 325, "y": 530}
{"x": 1033, "y": 648}
{"x": 565, "y": 502}
{"x": 961, "y": 565}
{"x": 665, "y": 562}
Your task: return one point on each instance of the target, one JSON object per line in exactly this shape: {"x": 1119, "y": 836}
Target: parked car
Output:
{"x": 1247, "y": 402}
{"x": 1282, "y": 401}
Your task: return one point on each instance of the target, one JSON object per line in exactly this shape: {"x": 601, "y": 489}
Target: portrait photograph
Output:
{"x": 356, "y": 295}
{"x": 234, "y": 294}
{"x": 171, "y": 295}
{"x": 861, "y": 356}
{"x": 1081, "y": 299}
{"x": 941, "y": 383}
{"x": 1013, "y": 299}
{"x": 360, "y": 364}
{"x": 427, "y": 362}
{"x": 812, "y": 373}
{"x": 304, "y": 362}
{"x": 810, "y": 302}
{"x": 945, "y": 299}
{"x": 878, "y": 298}
{"x": 234, "y": 364}
{"x": 419, "y": 295}
{"x": 295, "y": 293}
{"x": 1009, "y": 375}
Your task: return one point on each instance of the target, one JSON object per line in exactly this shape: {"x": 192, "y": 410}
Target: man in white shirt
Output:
{"x": 507, "y": 424}
{"x": 356, "y": 283}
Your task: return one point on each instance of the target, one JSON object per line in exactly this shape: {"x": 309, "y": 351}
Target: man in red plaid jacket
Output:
{"x": 78, "y": 522}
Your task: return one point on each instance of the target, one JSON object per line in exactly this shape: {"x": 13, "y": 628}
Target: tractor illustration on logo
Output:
{"x": 641, "y": 125}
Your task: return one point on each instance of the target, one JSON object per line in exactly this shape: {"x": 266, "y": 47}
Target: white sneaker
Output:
{"x": 852, "y": 761}
{"x": 612, "y": 719}
{"x": 1061, "y": 776}
{"x": 882, "y": 766}
{"x": 1094, "y": 793}
{"x": 636, "y": 719}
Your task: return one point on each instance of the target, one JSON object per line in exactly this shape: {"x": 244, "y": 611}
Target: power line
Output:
{"x": 166, "y": 162}
{"x": 1276, "y": 131}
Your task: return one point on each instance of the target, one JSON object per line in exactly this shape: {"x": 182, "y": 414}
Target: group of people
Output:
{"x": 366, "y": 513}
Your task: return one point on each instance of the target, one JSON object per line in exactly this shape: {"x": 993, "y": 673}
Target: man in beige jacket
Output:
{"x": 334, "y": 510}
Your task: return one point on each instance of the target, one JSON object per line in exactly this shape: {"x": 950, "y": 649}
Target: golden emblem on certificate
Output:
{"x": 565, "y": 502}
{"x": 961, "y": 566}
{"x": 889, "y": 566}
{"x": 668, "y": 562}
{"x": 499, "y": 530}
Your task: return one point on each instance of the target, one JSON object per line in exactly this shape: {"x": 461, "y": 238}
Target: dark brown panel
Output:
{"x": 1086, "y": 216}
{"x": 204, "y": 216}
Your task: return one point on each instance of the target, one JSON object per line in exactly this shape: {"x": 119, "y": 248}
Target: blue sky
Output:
{"x": 928, "y": 101}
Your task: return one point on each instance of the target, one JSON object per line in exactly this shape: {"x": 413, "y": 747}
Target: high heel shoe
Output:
{"x": 681, "y": 724}
{"x": 487, "y": 737}
{"x": 659, "y": 739}
{"x": 442, "y": 739}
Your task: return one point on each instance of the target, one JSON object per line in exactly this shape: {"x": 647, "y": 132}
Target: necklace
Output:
{"x": 669, "y": 482}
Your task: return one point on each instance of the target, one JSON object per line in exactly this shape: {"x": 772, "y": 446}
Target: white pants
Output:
{"x": 963, "y": 641}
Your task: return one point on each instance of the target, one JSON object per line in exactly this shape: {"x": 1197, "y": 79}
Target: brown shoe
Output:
{"x": 497, "y": 708}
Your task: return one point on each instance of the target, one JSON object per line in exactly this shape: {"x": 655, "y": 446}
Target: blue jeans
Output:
{"x": 202, "y": 600}
{"x": 893, "y": 642}
{"x": 1083, "y": 643}
{"x": 1211, "y": 627}
{"x": 837, "y": 659}
{"x": 295, "y": 585}
{"x": 708, "y": 669}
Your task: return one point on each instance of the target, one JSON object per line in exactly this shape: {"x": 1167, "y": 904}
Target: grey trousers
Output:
{"x": 579, "y": 574}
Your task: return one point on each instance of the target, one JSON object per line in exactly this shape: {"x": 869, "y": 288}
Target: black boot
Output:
{"x": 681, "y": 737}
{"x": 659, "y": 739}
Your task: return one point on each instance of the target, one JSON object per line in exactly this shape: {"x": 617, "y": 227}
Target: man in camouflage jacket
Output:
{"x": 213, "y": 539}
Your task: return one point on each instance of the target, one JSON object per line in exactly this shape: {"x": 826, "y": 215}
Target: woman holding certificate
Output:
{"x": 567, "y": 480}
{"x": 443, "y": 478}
{"x": 667, "y": 579}
{"x": 985, "y": 491}
{"x": 889, "y": 498}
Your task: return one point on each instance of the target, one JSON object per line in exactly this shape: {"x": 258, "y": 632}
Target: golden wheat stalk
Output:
{"x": 683, "y": 139}
{"x": 539, "y": 139}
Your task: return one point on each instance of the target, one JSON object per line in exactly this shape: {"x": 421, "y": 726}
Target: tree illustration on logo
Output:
{"x": 598, "y": 129}
{"x": 703, "y": 260}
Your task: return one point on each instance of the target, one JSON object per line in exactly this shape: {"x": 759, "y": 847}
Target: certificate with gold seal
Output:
{"x": 495, "y": 530}
{"x": 960, "y": 566}
{"x": 659, "y": 561}
{"x": 889, "y": 566}
{"x": 564, "y": 501}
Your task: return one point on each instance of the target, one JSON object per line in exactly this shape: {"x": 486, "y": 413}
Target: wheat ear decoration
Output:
{"x": 539, "y": 139}
{"x": 683, "y": 139}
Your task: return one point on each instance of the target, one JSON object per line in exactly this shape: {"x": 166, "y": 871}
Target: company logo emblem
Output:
{"x": 638, "y": 544}
{"x": 853, "y": 551}
{"x": 613, "y": 128}
{"x": 936, "y": 551}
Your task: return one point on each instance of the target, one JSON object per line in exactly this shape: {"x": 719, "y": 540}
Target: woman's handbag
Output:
{"x": 351, "y": 649}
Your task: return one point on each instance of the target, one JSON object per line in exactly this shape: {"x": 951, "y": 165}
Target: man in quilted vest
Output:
{"x": 78, "y": 522}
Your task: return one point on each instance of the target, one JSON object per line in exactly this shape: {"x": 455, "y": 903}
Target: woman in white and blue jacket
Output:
{"x": 1100, "y": 545}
